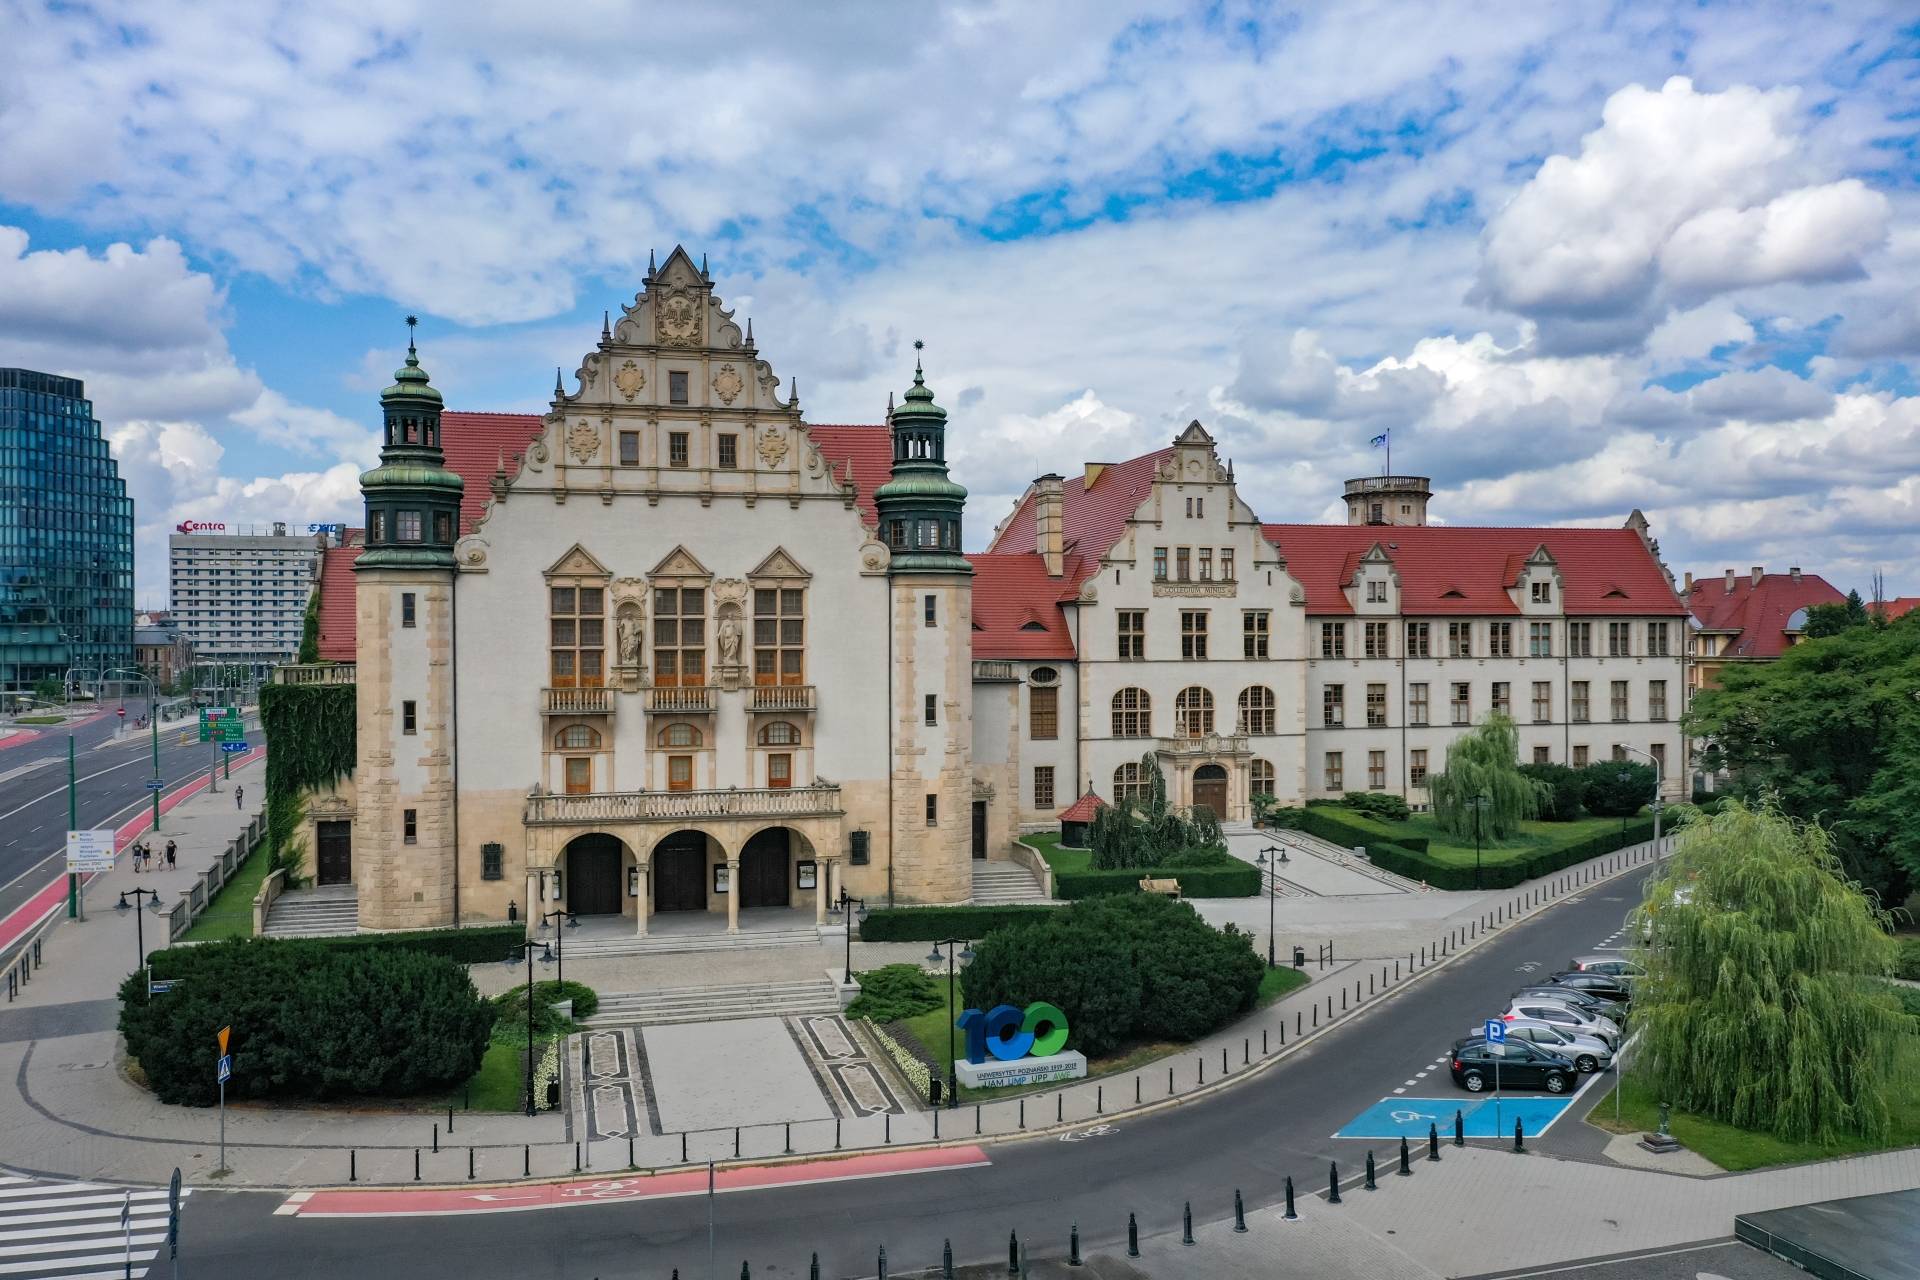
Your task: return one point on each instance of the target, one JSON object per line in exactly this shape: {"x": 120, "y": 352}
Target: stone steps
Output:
{"x": 329, "y": 912}
{"x": 677, "y": 943}
{"x": 1000, "y": 883}
{"x": 800, "y": 998}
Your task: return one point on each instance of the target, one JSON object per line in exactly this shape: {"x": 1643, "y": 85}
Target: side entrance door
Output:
{"x": 680, "y": 873}
{"x": 764, "y": 869}
{"x": 979, "y": 828}
{"x": 336, "y": 852}
{"x": 1210, "y": 788}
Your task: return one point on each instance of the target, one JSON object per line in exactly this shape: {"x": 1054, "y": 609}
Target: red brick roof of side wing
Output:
{"x": 338, "y": 613}
{"x": 1083, "y": 809}
{"x": 869, "y": 449}
{"x": 1449, "y": 570}
{"x": 474, "y": 444}
{"x": 1010, "y": 592}
{"x": 1900, "y": 606}
{"x": 1094, "y": 520}
{"x": 1760, "y": 613}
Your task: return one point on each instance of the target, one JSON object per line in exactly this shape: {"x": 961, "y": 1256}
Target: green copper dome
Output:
{"x": 412, "y": 499}
{"x": 920, "y": 507}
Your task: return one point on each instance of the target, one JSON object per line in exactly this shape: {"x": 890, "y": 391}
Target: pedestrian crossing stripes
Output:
{"x": 74, "y": 1230}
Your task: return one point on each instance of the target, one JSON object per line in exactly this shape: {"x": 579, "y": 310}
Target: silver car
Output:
{"x": 1589, "y": 1052}
{"x": 1612, "y": 966}
{"x": 1569, "y": 1016}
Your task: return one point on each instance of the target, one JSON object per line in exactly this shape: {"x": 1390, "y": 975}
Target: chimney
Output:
{"x": 1794, "y": 573}
{"x": 1758, "y": 574}
{"x": 1689, "y": 590}
{"x": 1048, "y": 513}
{"x": 1730, "y": 577}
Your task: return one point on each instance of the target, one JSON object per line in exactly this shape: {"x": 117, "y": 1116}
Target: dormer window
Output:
{"x": 1376, "y": 591}
{"x": 1543, "y": 593}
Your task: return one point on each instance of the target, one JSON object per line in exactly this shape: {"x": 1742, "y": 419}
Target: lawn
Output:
{"x": 1277, "y": 982}
{"x": 1737, "y": 1149}
{"x": 1443, "y": 846}
{"x": 1048, "y": 843}
{"x": 230, "y": 914}
{"x": 41, "y": 720}
{"x": 501, "y": 1084}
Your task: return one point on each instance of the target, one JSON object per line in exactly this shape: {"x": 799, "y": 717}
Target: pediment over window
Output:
{"x": 578, "y": 563}
{"x": 680, "y": 563}
{"x": 780, "y": 565}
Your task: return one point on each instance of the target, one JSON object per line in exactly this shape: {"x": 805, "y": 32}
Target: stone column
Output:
{"x": 820, "y": 893}
{"x": 646, "y": 899}
{"x": 532, "y": 907}
{"x": 733, "y": 895}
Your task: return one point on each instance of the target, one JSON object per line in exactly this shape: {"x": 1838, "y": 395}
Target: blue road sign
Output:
{"x": 154, "y": 784}
{"x": 1496, "y": 1031}
{"x": 160, "y": 986}
{"x": 226, "y": 1067}
{"x": 1409, "y": 1117}
{"x": 232, "y": 748}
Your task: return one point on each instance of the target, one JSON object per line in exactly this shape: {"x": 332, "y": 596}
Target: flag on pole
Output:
{"x": 1380, "y": 441}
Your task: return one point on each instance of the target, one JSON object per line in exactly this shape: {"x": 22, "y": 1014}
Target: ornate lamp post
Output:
{"x": 966, "y": 957}
{"x": 1272, "y": 872}
{"x": 1659, "y": 786}
{"x": 509, "y": 963}
{"x": 837, "y": 910}
{"x": 139, "y": 925}
{"x": 559, "y": 951}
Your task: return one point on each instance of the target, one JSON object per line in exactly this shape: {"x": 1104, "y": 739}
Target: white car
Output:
{"x": 1589, "y": 1052}
{"x": 1572, "y": 1017}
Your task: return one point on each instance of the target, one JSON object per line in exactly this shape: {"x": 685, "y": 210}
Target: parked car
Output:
{"x": 1533, "y": 1009}
{"x": 1616, "y": 1013}
{"x": 1601, "y": 986}
{"x": 1612, "y": 966}
{"x": 1589, "y": 1052}
{"x": 1523, "y": 1066}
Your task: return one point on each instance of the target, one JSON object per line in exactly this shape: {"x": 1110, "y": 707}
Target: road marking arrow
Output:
{"x": 503, "y": 1197}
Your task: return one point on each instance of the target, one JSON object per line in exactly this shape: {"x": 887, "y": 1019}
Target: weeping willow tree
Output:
{"x": 1758, "y": 1008}
{"x": 1483, "y": 775}
{"x": 1146, "y": 831}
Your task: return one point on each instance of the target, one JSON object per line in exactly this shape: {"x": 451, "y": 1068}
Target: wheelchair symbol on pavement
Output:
{"x": 1408, "y": 1117}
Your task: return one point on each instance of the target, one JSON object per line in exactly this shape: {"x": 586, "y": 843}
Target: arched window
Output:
{"x": 576, "y": 736}
{"x": 679, "y": 735}
{"x": 1193, "y": 712}
{"x": 780, "y": 734}
{"x": 1132, "y": 714}
{"x": 1128, "y": 784}
{"x": 1260, "y": 777}
{"x": 1256, "y": 709}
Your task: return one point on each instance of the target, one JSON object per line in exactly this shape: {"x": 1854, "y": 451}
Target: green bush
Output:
{"x": 928, "y": 924}
{"x": 1569, "y": 790}
{"x": 1618, "y": 788}
{"x": 894, "y": 993}
{"x": 1237, "y": 880}
{"x": 1145, "y": 832}
{"x": 308, "y": 1022}
{"x": 1418, "y": 865}
{"x": 510, "y": 1026}
{"x": 1908, "y": 965}
{"x": 1087, "y": 975}
{"x": 489, "y": 945}
{"x": 1378, "y": 804}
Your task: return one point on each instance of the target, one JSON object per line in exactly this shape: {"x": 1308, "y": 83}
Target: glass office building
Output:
{"x": 66, "y": 537}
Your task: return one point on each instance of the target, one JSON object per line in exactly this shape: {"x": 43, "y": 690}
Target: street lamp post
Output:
{"x": 1272, "y": 872}
{"x": 123, "y": 674}
{"x": 839, "y": 909}
{"x": 559, "y": 951}
{"x": 1659, "y": 788}
{"x": 139, "y": 925}
{"x": 510, "y": 963}
{"x": 966, "y": 957}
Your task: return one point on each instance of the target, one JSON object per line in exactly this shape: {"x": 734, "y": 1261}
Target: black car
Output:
{"x": 1523, "y": 1066}
{"x": 1574, "y": 995}
{"x": 1601, "y": 986}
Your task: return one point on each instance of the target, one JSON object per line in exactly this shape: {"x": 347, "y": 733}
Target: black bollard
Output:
{"x": 1133, "y": 1237}
{"x": 745, "y": 1273}
{"x": 1186, "y": 1224}
{"x": 1073, "y": 1246}
{"x": 1519, "y": 1136}
{"x": 352, "y": 1175}
{"x": 449, "y": 1122}
{"x": 469, "y": 1164}
{"x": 436, "y": 1137}
{"x": 946, "y": 1262}
{"x": 1290, "y": 1215}
{"x": 1239, "y": 1214}
{"x": 1370, "y": 1184}
{"x": 1406, "y": 1167}
{"x": 527, "y": 1157}
{"x": 1459, "y": 1129}
{"x": 416, "y": 1164}
{"x": 1333, "y": 1183}
{"x": 813, "y": 1274}
{"x": 1013, "y": 1253}
{"x": 1433, "y": 1143}
{"x": 882, "y": 1273}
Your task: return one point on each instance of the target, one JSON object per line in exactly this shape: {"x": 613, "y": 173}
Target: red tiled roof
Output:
{"x": 1902, "y": 605}
{"x": 1094, "y": 520}
{"x": 1011, "y": 591}
{"x": 1759, "y": 613}
{"x": 1446, "y": 569}
{"x": 1083, "y": 809}
{"x": 869, "y": 449}
{"x": 475, "y": 443}
{"x": 337, "y": 610}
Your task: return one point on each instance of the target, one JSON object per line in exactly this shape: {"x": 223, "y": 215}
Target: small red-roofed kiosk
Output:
{"x": 1075, "y": 821}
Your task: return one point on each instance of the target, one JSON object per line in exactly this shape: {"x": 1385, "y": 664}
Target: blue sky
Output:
{"x": 1580, "y": 259}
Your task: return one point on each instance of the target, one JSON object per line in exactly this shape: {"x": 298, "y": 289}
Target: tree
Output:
{"x": 1485, "y": 765}
{"x": 1618, "y": 788}
{"x": 1831, "y": 733}
{"x": 1142, "y": 832}
{"x": 47, "y": 690}
{"x": 310, "y": 630}
{"x": 1569, "y": 790}
{"x": 1825, "y": 620}
{"x": 1757, "y": 1008}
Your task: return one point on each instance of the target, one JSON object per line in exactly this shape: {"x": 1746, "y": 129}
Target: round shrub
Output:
{"x": 1066, "y": 963}
{"x": 894, "y": 993}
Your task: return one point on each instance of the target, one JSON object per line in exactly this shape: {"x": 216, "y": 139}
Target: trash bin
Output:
{"x": 1299, "y": 957}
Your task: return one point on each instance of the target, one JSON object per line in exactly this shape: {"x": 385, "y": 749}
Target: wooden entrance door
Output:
{"x": 979, "y": 828}
{"x": 764, "y": 868}
{"x": 593, "y": 876}
{"x": 680, "y": 872}
{"x": 1210, "y": 788}
{"x": 336, "y": 852}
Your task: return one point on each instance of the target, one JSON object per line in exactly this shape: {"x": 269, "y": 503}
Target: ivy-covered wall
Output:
{"x": 310, "y": 744}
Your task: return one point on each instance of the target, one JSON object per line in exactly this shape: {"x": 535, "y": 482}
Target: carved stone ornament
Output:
{"x": 537, "y": 451}
{"x": 1196, "y": 590}
{"x": 470, "y": 552}
{"x": 773, "y": 446}
{"x": 630, "y": 381}
{"x": 729, "y": 591}
{"x": 728, "y": 383}
{"x": 1089, "y": 591}
{"x": 583, "y": 441}
{"x": 874, "y": 557}
{"x": 630, "y": 591}
{"x": 677, "y": 318}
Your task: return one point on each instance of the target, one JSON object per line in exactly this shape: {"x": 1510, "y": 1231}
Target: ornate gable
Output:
{"x": 680, "y": 563}
{"x": 780, "y": 565}
{"x": 577, "y": 563}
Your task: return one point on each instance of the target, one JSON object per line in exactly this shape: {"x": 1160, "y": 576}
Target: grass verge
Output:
{"x": 1048, "y": 845}
{"x": 500, "y": 1084}
{"x": 1277, "y": 982}
{"x": 230, "y": 914}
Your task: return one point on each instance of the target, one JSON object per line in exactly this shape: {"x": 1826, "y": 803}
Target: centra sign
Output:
{"x": 1028, "y": 1046}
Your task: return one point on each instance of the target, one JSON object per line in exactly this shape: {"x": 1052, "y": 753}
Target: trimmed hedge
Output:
{"x": 1503, "y": 875}
{"x": 1239, "y": 881}
{"x": 929, "y": 924}
{"x": 490, "y": 945}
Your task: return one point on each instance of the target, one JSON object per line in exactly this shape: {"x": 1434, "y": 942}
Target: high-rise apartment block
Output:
{"x": 240, "y": 598}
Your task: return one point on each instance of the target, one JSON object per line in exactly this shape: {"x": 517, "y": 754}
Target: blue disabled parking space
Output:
{"x": 1483, "y": 1116}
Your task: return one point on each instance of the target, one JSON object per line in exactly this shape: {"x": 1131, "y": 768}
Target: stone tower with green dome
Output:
{"x": 920, "y": 510}
{"x": 404, "y": 831}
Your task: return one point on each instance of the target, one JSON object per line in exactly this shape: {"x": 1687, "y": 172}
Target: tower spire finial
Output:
{"x": 559, "y": 389}
{"x": 411, "y": 322}
{"x": 606, "y": 326}
{"x": 919, "y": 378}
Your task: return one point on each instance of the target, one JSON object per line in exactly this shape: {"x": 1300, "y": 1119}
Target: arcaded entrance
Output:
{"x": 593, "y": 875}
{"x": 766, "y": 869}
{"x": 680, "y": 872}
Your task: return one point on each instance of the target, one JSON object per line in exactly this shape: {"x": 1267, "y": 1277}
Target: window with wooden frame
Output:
{"x": 1580, "y": 701}
{"x": 1182, "y": 564}
{"x": 679, "y": 636}
{"x": 1417, "y": 703}
{"x": 681, "y": 734}
{"x": 677, "y": 386}
{"x": 1226, "y": 564}
{"x": 1459, "y": 639}
{"x": 577, "y": 737}
{"x": 1417, "y": 768}
{"x": 1193, "y": 635}
{"x": 1579, "y": 757}
{"x": 1043, "y": 786}
{"x": 1159, "y": 564}
{"x": 1132, "y": 714}
{"x": 780, "y": 734}
{"x": 1376, "y": 705}
{"x": 1206, "y": 564}
{"x": 1333, "y": 706}
{"x": 1542, "y": 701}
{"x": 1128, "y": 783}
{"x": 1579, "y": 639}
{"x": 1254, "y": 633}
{"x": 1043, "y": 714}
{"x": 1260, "y": 778}
{"x": 1419, "y": 640}
{"x": 1657, "y": 640}
{"x": 779, "y": 769}
{"x": 629, "y": 448}
{"x": 1619, "y": 699}
{"x": 679, "y": 773}
{"x": 1619, "y": 639}
{"x": 1499, "y": 639}
{"x": 579, "y": 775}
{"x": 1376, "y": 771}
{"x": 1336, "y": 771}
{"x": 1376, "y": 639}
{"x": 1462, "y": 702}
{"x": 1133, "y": 634}
{"x": 729, "y": 451}
{"x": 779, "y": 635}
{"x": 577, "y": 636}
{"x": 677, "y": 448}
{"x": 1257, "y": 705}
{"x": 1656, "y": 699}
{"x": 1502, "y": 699}
{"x": 1540, "y": 640}
{"x": 1193, "y": 712}
{"x": 1333, "y": 639}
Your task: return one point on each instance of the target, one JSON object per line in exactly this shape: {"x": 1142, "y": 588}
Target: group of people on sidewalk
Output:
{"x": 143, "y": 856}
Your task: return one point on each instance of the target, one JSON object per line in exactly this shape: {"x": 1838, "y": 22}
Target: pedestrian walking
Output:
{"x": 238, "y": 794}
{"x": 170, "y": 853}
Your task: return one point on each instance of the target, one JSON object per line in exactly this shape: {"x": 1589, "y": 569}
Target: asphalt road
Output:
{"x": 112, "y": 784}
{"x": 1250, "y": 1138}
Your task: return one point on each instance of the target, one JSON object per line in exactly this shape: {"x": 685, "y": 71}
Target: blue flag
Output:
{"x": 1380, "y": 441}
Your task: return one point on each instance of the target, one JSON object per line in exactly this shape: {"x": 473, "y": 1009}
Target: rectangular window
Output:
{"x": 376, "y": 526}
{"x": 679, "y": 773}
{"x": 929, "y": 533}
{"x": 1540, "y": 640}
{"x": 629, "y": 448}
{"x": 1658, "y": 750}
{"x": 579, "y": 775}
{"x": 1133, "y": 634}
{"x": 1579, "y": 757}
{"x": 1620, "y": 700}
{"x": 1376, "y": 591}
{"x": 679, "y": 636}
{"x": 1206, "y": 564}
{"x": 1657, "y": 640}
{"x": 1542, "y": 701}
{"x": 929, "y": 607}
{"x": 1462, "y": 702}
{"x": 860, "y": 849}
{"x": 676, "y": 448}
{"x": 1619, "y": 754}
{"x": 1656, "y": 699}
{"x": 1376, "y": 639}
{"x": 1376, "y": 705}
{"x": 897, "y": 534}
{"x": 1043, "y": 714}
{"x": 407, "y": 722}
{"x": 729, "y": 452}
{"x": 1459, "y": 639}
{"x": 1336, "y": 771}
{"x": 1159, "y": 564}
{"x": 1253, "y": 633}
{"x": 410, "y": 825}
{"x": 1043, "y": 786}
{"x": 1193, "y": 635}
{"x": 676, "y": 387}
{"x": 1580, "y": 639}
{"x": 780, "y": 770}
{"x": 1376, "y": 771}
{"x": 1333, "y": 639}
{"x": 932, "y": 702}
{"x": 1619, "y": 639}
{"x": 1502, "y": 700}
{"x": 409, "y": 523}
{"x": 933, "y": 810}
{"x": 1182, "y": 565}
{"x": 1499, "y": 639}
{"x": 1333, "y": 705}
{"x": 1418, "y": 640}
{"x": 1417, "y": 768}
{"x": 779, "y": 635}
{"x": 1581, "y": 699}
{"x": 1416, "y": 704}
{"x": 442, "y": 527}
{"x": 1543, "y": 593}
{"x": 1543, "y": 755}
{"x": 1226, "y": 564}
{"x": 406, "y": 608}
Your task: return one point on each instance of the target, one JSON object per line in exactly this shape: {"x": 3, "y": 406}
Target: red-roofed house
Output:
{"x": 1751, "y": 618}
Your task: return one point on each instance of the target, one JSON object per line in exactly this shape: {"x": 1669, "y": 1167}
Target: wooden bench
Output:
{"x": 1169, "y": 887}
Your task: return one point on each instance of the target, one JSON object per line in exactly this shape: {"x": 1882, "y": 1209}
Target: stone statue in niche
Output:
{"x": 729, "y": 633}
{"x": 629, "y": 630}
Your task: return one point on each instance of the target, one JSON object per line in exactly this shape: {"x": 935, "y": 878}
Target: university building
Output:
{"x": 672, "y": 648}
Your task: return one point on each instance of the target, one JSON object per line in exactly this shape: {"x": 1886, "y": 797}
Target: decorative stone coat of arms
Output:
{"x": 728, "y": 383}
{"x": 773, "y": 447}
{"x": 583, "y": 441}
{"x": 630, "y": 380}
{"x": 677, "y": 318}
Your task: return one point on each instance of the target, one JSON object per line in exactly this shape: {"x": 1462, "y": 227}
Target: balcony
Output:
{"x": 684, "y": 806}
{"x": 314, "y": 673}
{"x": 577, "y": 702}
{"x": 780, "y": 697}
{"x": 1212, "y": 744}
{"x": 995, "y": 671}
{"x": 680, "y": 701}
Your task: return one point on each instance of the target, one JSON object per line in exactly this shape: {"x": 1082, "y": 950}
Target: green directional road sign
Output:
{"x": 222, "y": 724}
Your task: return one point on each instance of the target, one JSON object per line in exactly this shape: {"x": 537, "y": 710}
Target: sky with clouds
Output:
{"x": 1577, "y": 258}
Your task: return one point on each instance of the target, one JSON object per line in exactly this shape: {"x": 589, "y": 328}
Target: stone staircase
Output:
{"x": 1329, "y": 852}
{"x": 324, "y": 912}
{"x": 659, "y": 944}
{"x": 999, "y": 883}
{"x": 713, "y": 1004}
